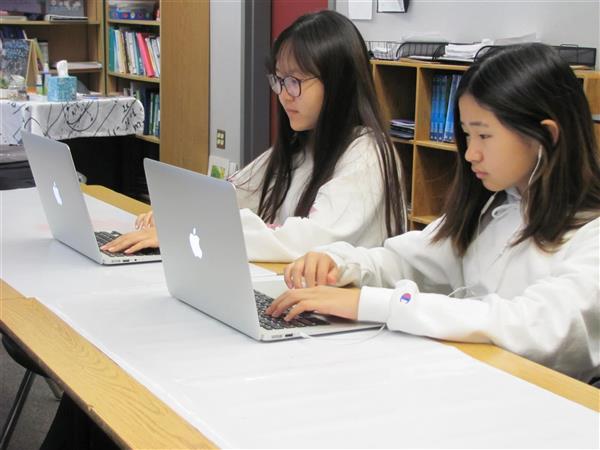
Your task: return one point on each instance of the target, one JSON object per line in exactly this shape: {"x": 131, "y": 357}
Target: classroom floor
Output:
{"x": 38, "y": 411}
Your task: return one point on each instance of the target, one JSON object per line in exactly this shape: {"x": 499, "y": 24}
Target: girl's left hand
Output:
{"x": 341, "y": 302}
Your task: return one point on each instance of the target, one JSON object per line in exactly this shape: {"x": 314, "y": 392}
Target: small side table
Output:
{"x": 85, "y": 117}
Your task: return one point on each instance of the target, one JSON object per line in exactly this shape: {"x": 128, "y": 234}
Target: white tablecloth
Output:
{"x": 356, "y": 390}
{"x": 111, "y": 116}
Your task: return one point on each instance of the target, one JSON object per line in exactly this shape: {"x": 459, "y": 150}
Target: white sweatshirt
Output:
{"x": 349, "y": 207}
{"x": 543, "y": 306}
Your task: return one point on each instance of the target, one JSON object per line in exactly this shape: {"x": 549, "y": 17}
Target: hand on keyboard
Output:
{"x": 133, "y": 242}
{"x": 341, "y": 302}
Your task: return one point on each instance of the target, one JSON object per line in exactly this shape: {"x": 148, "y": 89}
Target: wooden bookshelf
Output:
{"x": 73, "y": 41}
{"x": 404, "y": 89}
{"x": 117, "y": 82}
{"x": 184, "y": 80}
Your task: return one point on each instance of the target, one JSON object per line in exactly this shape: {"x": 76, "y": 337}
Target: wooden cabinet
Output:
{"x": 73, "y": 41}
{"x": 404, "y": 89}
{"x": 185, "y": 59}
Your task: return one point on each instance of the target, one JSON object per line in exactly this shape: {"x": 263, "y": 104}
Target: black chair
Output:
{"x": 31, "y": 370}
{"x": 15, "y": 173}
{"x": 14, "y": 168}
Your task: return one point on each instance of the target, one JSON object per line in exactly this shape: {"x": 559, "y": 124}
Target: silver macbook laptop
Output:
{"x": 68, "y": 218}
{"x": 204, "y": 256}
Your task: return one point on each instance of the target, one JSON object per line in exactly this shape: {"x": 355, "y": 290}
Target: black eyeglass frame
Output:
{"x": 277, "y": 84}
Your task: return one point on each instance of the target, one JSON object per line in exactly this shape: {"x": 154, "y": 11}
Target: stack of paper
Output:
{"x": 468, "y": 52}
{"x": 465, "y": 51}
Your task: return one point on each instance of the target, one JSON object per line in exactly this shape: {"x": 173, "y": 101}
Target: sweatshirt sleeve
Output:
{"x": 554, "y": 321}
{"x": 412, "y": 255}
{"x": 345, "y": 208}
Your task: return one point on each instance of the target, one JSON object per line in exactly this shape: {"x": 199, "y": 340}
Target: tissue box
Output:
{"x": 62, "y": 89}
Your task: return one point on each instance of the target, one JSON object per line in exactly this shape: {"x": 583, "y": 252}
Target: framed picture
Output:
{"x": 392, "y": 6}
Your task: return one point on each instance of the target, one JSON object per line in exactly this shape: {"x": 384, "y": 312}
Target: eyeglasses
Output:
{"x": 293, "y": 85}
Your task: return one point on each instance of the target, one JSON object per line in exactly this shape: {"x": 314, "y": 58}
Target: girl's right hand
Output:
{"x": 312, "y": 269}
{"x": 145, "y": 220}
{"x": 133, "y": 242}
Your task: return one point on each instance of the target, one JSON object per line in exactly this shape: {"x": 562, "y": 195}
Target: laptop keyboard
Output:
{"x": 104, "y": 237}
{"x": 277, "y": 323}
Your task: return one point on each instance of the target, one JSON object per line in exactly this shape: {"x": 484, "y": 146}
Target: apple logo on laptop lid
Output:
{"x": 195, "y": 244}
{"x": 56, "y": 192}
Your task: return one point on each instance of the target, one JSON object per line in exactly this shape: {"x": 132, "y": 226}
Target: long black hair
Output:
{"x": 327, "y": 45}
{"x": 524, "y": 85}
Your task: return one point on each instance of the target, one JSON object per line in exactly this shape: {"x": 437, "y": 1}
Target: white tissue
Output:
{"x": 62, "y": 68}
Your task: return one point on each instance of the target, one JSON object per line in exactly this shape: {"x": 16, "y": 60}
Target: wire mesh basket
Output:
{"x": 392, "y": 50}
{"x": 572, "y": 54}
{"x": 383, "y": 49}
{"x": 425, "y": 50}
{"x": 577, "y": 56}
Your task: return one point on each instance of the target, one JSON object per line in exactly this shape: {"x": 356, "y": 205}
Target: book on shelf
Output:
{"x": 448, "y": 135}
{"x": 153, "y": 56}
{"x": 441, "y": 85}
{"x": 441, "y": 127}
{"x": 132, "y": 58}
{"x": 16, "y": 61}
{"x": 133, "y": 52}
{"x": 145, "y": 55}
{"x": 149, "y": 97}
{"x": 45, "y": 51}
{"x": 435, "y": 88}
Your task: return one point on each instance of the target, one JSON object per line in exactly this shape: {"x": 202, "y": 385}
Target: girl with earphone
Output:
{"x": 515, "y": 258}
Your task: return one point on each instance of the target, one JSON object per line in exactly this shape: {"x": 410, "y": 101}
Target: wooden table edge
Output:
{"x": 190, "y": 436}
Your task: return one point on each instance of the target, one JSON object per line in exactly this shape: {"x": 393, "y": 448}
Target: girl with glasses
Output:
{"x": 515, "y": 259}
{"x": 332, "y": 173}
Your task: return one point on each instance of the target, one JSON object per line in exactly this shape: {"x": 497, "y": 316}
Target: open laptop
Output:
{"x": 60, "y": 193}
{"x": 204, "y": 257}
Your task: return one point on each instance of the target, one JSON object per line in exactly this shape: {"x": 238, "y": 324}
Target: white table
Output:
{"x": 392, "y": 390}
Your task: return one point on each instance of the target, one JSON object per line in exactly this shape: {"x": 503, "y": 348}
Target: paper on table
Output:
{"x": 393, "y": 390}
{"x": 348, "y": 390}
{"x": 360, "y": 9}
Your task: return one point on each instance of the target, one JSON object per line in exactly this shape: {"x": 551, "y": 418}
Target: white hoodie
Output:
{"x": 543, "y": 306}
{"x": 349, "y": 207}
